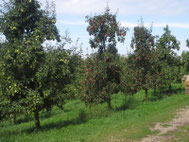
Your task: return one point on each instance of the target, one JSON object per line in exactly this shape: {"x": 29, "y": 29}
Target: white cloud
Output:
{"x": 154, "y": 7}
{"x": 78, "y": 6}
{"x": 172, "y": 25}
{"x": 129, "y": 24}
{"x": 128, "y": 7}
{"x": 73, "y": 23}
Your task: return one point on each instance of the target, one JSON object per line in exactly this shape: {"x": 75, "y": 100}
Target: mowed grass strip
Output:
{"x": 130, "y": 119}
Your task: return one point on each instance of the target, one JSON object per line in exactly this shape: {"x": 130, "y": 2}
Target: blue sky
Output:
{"x": 71, "y": 17}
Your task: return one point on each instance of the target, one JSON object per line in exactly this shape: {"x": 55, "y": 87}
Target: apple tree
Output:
{"x": 33, "y": 77}
{"x": 140, "y": 64}
{"x": 166, "y": 46}
{"x": 102, "y": 72}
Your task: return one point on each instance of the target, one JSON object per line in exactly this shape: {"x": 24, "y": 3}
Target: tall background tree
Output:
{"x": 185, "y": 60}
{"x": 102, "y": 73}
{"x": 141, "y": 63}
{"x": 166, "y": 46}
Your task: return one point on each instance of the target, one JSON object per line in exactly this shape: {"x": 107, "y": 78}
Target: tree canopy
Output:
{"x": 33, "y": 76}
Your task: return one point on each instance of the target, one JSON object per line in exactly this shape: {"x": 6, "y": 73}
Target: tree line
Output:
{"x": 36, "y": 77}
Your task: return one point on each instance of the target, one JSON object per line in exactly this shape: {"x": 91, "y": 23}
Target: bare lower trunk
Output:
{"x": 109, "y": 102}
{"x": 155, "y": 90}
{"x": 170, "y": 88}
{"x": 146, "y": 93}
{"x": 13, "y": 118}
{"x": 36, "y": 119}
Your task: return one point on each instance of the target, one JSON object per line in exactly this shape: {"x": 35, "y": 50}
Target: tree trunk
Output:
{"x": 109, "y": 101}
{"x": 146, "y": 93}
{"x": 36, "y": 119}
{"x": 104, "y": 45}
{"x": 13, "y": 118}
{"x": 170, "y": 88}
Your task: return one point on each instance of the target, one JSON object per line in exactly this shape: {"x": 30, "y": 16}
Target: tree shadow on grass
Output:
{"x": 127, "y": 103}
{"x": 46, "y": 114}
{"x": 164, "y": 93}
{"x": 26, "y": 118}
{"x": 43, "y": 115}
{"x": 81, "y": 118}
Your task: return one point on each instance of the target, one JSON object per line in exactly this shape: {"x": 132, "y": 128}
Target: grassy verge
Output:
{"x": 180, "y": 135}
{"x": 130, "y": 119}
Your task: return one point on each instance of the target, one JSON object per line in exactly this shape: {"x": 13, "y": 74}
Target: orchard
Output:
{"x": 36, "y": 77}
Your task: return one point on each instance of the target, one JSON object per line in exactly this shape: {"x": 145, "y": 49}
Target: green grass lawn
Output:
{"x": 130, "y": 118}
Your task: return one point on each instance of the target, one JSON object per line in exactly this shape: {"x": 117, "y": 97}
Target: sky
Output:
{"x": 159, "y": 13}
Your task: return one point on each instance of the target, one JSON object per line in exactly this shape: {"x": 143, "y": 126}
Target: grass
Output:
{"x": 129, "y": 119}
{"x": 180, "y": 135}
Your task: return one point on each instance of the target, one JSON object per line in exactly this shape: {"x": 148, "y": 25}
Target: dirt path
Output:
{"x": 181, "y": 119}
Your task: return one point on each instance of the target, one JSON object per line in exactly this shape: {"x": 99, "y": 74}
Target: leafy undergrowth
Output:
{"x": 129, "y": 119}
